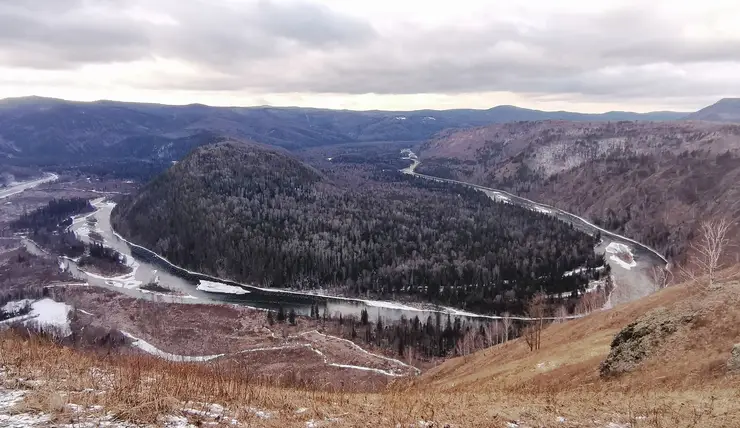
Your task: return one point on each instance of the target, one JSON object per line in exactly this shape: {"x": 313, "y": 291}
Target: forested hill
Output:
{"x": 260, "y": 216}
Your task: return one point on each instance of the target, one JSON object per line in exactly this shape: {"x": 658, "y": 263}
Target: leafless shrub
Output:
{"x": 708, "y": 250}
{"x": 560, "y": 314}
{"x": 506, "y": 325}
{"x": 466, "y": 345}
{"x": 536, "y": 309}
{"x": 589, "y": 302}
{"x": 661, "y": 277}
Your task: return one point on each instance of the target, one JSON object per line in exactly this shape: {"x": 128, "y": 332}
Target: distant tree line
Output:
{"x": 48, "y": 226}
{"x": 55, "y": 214}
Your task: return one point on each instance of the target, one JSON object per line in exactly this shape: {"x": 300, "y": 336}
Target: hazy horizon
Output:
{"x": 329, "y": 108}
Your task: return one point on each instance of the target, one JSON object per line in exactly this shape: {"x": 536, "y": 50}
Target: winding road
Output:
{"x": 19, "y": 187}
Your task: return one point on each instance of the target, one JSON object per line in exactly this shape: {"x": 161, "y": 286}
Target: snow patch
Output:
{"x": 389, "y": 305}
{"x": 151, "y": 349}
{"x": 582, "y": 269}
{"x": 619, "y": 252}
{"x": 458, "y": 312}
{"x": 45, "y": 313}
{"x": 275, "y": 348}
{"x": 542, "y": 210}
{"x": 498, "y": 197}
{"x": 8, "y": 400}
{"x": 50, "y": 313}
{"x": 218, "y": 287}
{"x": 17, "y": 305}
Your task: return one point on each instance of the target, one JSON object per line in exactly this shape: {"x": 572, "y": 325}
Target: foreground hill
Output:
{"x": 258, "y": 215}
{"x": 676, "y": 346}
{"x": 651, "y": 181}
{"x": 37, "y": 130}
{"x": 666, "y": 360}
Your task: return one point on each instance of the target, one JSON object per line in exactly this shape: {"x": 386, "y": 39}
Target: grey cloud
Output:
{"x": 311, "y": 24}
{"x": 44, "y": 35}
{"x": 270, "y": 46}
{"x": 55, "y": 38}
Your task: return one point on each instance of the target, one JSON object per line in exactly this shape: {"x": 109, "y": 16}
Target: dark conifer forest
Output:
{"x": 261, "y": 216}
{"x": 47, "y": 225}
{"x": 56, "y": 213}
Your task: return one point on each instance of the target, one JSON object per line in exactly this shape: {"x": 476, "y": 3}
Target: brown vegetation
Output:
{"x": 651, "y": 181}
{"x": 683, "y": 382}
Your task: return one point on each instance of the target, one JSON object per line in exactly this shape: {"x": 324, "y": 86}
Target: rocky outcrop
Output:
{"x": 733, "y": 364}
{"x": 640, "y": 339}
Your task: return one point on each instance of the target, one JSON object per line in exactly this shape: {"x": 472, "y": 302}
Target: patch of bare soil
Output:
{"x": 22, "y": 273}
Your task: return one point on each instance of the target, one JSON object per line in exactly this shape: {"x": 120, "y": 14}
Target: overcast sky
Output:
{"x": 365, "y": 54}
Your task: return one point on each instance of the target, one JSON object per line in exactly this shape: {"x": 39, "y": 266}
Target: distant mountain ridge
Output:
{"x": 724, "y": 110}
{"x": 34, "y": 129}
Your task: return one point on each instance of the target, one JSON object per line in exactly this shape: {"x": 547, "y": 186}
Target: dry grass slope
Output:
{"x": 684, "y": 383}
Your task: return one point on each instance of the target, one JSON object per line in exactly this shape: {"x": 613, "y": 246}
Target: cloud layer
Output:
{"x": 623, "y": 51}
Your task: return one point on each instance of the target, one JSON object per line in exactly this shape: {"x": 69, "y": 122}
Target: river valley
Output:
{"x": 634, "y": 278}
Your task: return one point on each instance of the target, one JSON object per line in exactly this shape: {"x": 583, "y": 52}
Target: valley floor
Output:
{"x": 223, "y": 365}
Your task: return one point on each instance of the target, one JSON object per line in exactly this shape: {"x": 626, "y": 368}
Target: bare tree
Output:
{"x": 588, "y": 303}
{"x": 660, "y": 277}
{"x": 493, "y": 332}
{"x": 536, "y": 309}
{"x": 466, "y": 345}
{"x": 506, "y": 320}
{"x": 713, "y": 242}
{"x": 561, "y": 313}
{"x": 530, "y": 336}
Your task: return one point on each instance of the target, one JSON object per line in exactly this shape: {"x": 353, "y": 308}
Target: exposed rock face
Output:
{"x": 733, "y": 364}
{"x": 640, "y": 339}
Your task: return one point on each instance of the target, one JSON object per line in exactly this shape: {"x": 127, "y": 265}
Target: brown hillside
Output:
{"x": 683, "y": 382}
{"x": 685, "y": 369}
{"x": 651, "y": 181}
